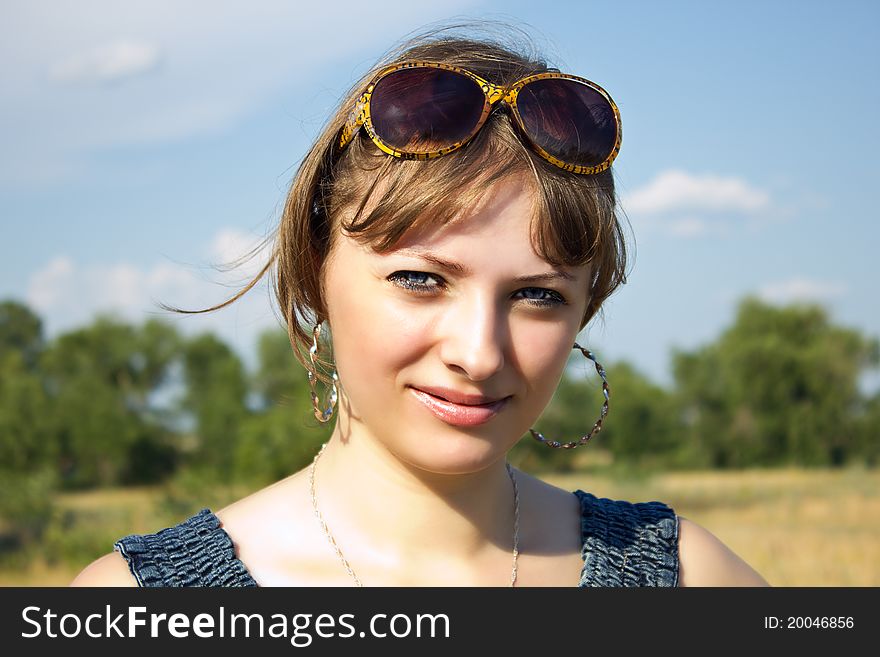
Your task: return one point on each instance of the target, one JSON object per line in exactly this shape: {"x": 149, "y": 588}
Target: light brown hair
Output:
{"x": 377, "y": 198}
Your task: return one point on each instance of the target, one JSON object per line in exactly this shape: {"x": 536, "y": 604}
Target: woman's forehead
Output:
{"x": 494, "y": 232}
{"x": 495, "y": 236}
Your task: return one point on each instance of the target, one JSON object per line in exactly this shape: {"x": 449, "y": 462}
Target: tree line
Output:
{"x": 113, "y": 403}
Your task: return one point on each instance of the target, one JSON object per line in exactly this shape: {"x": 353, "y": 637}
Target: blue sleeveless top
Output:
{"x": 624, "y": 544}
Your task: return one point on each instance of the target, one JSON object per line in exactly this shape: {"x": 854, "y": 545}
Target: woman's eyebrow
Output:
{"x": 462, "y": 270}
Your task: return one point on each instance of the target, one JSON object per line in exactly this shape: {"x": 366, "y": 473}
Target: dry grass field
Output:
{"x": 795, "y": 527}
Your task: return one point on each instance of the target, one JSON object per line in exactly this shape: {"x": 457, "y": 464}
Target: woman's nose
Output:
{"x": 473, "y": 338}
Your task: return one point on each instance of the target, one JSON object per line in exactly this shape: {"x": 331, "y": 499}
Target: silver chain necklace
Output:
{"x": 348, "y": 566}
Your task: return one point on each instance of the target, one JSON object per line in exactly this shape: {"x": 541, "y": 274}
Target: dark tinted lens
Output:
{"x": 419, "y": 110}
{"x": 569, "y": 120}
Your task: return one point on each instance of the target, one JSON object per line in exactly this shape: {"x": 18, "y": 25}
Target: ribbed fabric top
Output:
{"x": 197, "y": 552}
{"x": 628, "y": 544}
{"x": 624, "y": 544}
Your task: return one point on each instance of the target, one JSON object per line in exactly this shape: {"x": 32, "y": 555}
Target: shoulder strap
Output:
{"x": 628, "y": 544}
{"x": 197, "y": 552}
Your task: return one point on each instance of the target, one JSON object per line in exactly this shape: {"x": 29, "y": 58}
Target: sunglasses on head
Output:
{"x": 422, "y": 110}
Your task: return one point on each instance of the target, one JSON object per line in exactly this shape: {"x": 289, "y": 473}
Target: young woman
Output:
{"x": 449, "y": 234}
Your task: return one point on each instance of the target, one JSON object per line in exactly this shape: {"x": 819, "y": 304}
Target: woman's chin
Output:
{"x": 452, "y": 455}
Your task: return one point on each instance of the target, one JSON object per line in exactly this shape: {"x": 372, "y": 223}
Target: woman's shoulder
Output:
{"x": 109, "y": 570}
{"x": 704, "y": 560}
{"x": 275, "y": 533}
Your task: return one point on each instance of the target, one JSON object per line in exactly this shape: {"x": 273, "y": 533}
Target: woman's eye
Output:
{"x": 417, "y": 281}
{"x": 551, "y": 298}
{"x": 413, "y": 280}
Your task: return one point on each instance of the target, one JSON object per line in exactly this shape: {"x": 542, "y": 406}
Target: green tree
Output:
{"x": 26, "y": 437}
{"x": 285, "y": 436}
{"x": 868, "y": 431}
{"x": 279, "y": 376}
{"x": 27, "y": 454}
{"x": 100, "y": 379}
{"x": 215, "y": 396}
{"x": 21, "y": 331}
{"x": 27, "y": 451}
{"x": 779, "y": 386}
{"x": 644, "y": 427}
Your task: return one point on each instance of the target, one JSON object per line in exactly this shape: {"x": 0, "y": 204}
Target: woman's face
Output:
{"x": 401, "y": 323}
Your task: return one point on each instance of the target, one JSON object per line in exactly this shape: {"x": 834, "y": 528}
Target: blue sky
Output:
{"x": 143, "y": 141}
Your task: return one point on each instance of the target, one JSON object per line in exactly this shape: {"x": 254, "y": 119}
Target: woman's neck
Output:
{"x": 403, "y": 514}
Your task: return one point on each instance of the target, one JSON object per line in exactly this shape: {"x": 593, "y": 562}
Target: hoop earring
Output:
{"x": 597, "y": 426}
{"x": 323, "y": 415}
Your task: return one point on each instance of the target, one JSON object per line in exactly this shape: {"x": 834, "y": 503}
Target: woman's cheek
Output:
{"x": 542, "y": 368}
{"x": 380, "y": 339}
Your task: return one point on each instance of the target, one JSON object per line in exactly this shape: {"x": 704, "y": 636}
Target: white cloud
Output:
{"x": 45, "y": 289}
{"x": 801, "y": 289}
{"x": 676, "y": 190}
{"x": 687, "y": 205}
{"x": 689, "y": 227}
{"x": 110, "y": 62}
{"x": 65, "y": 289}
{"x": 67, "y": 294}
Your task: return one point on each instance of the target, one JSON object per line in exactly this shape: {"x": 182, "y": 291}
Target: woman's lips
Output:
{"x": 459, "y": 414}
